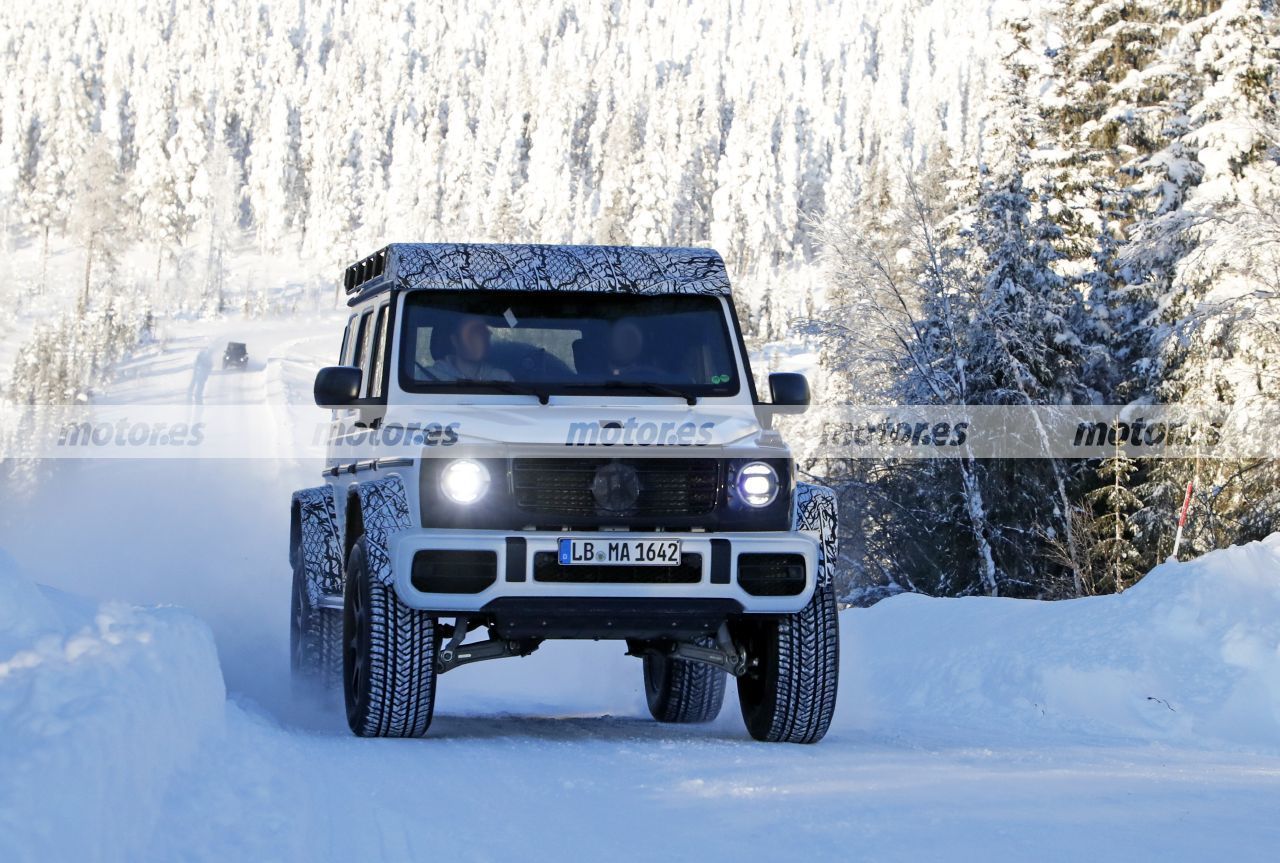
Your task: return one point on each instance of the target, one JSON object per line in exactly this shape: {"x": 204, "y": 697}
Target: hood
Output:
{"x": 589, "y": 426}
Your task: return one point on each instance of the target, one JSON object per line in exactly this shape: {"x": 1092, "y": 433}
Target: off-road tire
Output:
{"x": 315, "y": 638}
{"x": 788, "y": 694}
{"x": 389, "y": 657}
{"x": 681, "y": 691}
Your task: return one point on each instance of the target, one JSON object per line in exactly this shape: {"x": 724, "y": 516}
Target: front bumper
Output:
{"x": 515, "y": 579}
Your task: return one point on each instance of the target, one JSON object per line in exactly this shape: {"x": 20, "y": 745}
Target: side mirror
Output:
{"x": 789, "y": 389}
{"x": 337, "y": 386}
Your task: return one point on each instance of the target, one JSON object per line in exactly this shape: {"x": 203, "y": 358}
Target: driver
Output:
{"x": 468, "y": 355}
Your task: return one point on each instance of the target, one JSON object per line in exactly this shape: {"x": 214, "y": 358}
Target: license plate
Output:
{"x": 620, "y": 552}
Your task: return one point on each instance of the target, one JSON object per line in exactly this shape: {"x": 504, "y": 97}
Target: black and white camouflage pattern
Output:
{"x": 813, "y": 510}
{"x": 614, "y": 269}
{"x": 384, "y": 506}
{"x": 319, "y": 545}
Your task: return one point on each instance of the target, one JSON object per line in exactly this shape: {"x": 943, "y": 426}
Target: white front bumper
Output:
{"x": 405, "y": 545}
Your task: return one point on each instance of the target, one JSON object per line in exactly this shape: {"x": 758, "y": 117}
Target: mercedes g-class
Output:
{"x": 546, "y": 442}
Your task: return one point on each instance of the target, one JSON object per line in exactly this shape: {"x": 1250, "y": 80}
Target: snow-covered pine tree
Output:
{"x": 1108, "y": 109}
{"x": 1114, "y": 559}
{"x": 859, "y": 333}
{"x": 894, "y": 332}
{"x": 1021, "y": 349}
{"x": 95, "y": 213}
{"x": 273, "y": 166}
{"x": 1117, "y": 108}
{"x": 50, "y": 148}
{"x": 1022, "y": 344}
{"x": 767, "y": 111}
{"x": 221, "y": 192}
{"x": 1214, "y": 348}
{"x": 158, "y": 191}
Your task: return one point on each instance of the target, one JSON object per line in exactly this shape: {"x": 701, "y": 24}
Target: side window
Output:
{"x": 344, "y": 358}
{"x": 362, "y": 340}
{"x": 379, "y": 353}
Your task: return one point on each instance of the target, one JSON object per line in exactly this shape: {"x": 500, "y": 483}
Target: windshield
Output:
{"x": 566, "y": 343}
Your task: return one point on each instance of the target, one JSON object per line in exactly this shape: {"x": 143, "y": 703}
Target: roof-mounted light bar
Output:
{"x": 358, "y": 275}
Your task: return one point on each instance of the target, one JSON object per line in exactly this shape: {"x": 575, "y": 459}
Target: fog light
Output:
{"x": 758, "y": 483}
{"x": 464, "y": 481}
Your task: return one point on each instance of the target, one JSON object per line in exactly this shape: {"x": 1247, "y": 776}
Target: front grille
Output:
{"x": 761, "y": 574}
{"x": 547, "y": 568}
{"x": 667, "y": 486}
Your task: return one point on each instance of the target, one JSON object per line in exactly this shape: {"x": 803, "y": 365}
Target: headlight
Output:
{"x": 758, "y": 483}
{"x": 464, "y": 481}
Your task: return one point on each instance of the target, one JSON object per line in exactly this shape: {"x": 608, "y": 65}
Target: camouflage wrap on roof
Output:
{"x": 617, "y": 269}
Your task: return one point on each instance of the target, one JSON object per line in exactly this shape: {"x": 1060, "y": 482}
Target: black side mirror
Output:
{"x": 789, "y": 389}
{"x": 337, "y": 386}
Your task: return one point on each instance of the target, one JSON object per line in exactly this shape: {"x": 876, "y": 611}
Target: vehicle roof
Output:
{"x": 511, "y": 267}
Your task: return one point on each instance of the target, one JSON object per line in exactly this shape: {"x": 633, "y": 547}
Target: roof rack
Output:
{"x": 495, "y": 266}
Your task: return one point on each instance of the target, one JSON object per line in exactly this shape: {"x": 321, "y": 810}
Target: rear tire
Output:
{"x": 389, "y": 657}
{"x": 681, "y": 691}
{"x": 315, "y": 637}
{"x": 788, "y": 694}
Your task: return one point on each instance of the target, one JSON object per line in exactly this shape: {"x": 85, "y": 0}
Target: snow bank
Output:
{"x": 115, "y": 742}
{"x": 100, "y": 706}
{"x": 1189, "y": 654}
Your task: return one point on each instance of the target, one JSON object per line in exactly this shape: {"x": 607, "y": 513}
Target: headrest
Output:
{"x": 587, "y": 356}
{"x": 441, "y": 345}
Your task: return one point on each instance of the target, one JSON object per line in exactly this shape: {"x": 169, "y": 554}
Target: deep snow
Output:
{"x": 1143, "y": 725}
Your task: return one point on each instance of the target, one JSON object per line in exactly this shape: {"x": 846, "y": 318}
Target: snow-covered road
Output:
{"x": 1145, "y": 726}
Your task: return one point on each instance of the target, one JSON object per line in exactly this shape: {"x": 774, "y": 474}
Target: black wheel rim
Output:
{"x": 355, "y": 656}
{"x": 296, "y": 626}
{"x": 751, "y": 684}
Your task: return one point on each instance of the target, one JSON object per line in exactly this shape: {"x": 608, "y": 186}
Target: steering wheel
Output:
{"x": 642, "y": 374}
{"x": 427, "y": 373}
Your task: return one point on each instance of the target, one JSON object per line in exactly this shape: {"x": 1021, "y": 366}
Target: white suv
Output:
{"x": 560, "y": 442}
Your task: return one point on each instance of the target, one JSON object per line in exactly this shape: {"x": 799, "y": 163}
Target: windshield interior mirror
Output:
{"x": 789, "y": 389}
{"x": 337, "y": 386}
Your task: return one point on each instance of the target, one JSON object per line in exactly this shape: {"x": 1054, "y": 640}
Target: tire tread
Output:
{"x": 400, "y": 666}
{"x": 689, "y": 692}
{"x": 806, "y": 649}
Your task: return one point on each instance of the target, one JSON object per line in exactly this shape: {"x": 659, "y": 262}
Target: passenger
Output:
{"x": 626, "y": 344}
{"x": 468, "y": 355}
{"x": 628, "y": 359}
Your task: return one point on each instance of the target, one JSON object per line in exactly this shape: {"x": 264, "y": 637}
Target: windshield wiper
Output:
{"x": 656, "y": 389}
{"x": 507, "y": 387}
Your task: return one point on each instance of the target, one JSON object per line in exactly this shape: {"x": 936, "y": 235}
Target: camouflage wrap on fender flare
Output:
{"x": 317, "y": 545}
{"x": 813, "y": 510}
{"x": 384, "y": 510}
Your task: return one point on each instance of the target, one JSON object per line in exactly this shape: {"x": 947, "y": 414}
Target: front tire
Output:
{"x": 389, "y": 657}
{"x": 681, "y": 691}
{"x": 788, "y": 694}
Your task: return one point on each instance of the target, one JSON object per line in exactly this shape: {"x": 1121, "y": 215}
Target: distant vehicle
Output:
{"x": 236, "y": 356}
{"x": 651, "y": 503}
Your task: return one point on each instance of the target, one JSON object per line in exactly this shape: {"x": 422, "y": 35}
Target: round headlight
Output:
{"x": 758, "y": 483}
{"x": 464, "y": 481}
